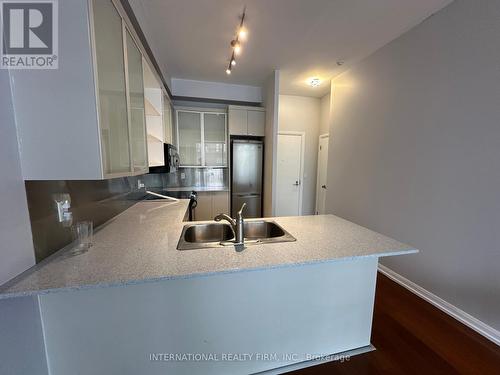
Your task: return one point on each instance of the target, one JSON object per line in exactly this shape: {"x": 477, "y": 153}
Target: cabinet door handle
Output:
{"x": 323, "y": 186}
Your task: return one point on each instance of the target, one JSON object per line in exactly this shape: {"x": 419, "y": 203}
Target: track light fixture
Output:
{"x": 241, "y": 35}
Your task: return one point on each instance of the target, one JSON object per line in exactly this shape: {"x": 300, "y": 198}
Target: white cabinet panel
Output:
{"x": 64, "y": 144}
{"x": 237, "y": 122}
{"x": 256, "y": 123}
{"x": 247, "y": 121}
{"x": 210, "y": 204}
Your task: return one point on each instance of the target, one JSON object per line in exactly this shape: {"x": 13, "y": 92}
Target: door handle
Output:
{"x": 297, "y": 183}
{"x": 323, "y": 186}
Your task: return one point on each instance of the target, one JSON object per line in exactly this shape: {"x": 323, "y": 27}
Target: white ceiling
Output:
{"x": 301, "y": 38}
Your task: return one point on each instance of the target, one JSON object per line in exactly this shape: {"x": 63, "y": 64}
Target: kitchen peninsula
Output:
{"x": 135, "y": 294}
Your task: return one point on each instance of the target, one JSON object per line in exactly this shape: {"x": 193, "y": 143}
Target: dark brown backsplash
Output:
{"x": 98, "y": 201}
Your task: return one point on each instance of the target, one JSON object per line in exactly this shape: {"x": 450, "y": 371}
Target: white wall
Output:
{"x": 271, "y": 103}
{"x": 324, "y": 119}
{"x": 302, "y": 113}
{"x": 415, "y": 153}
{"x": 216, "y": 90}
{"x": 16, "y": 248}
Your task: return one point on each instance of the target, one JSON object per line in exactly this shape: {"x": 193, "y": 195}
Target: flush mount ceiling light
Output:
{"x": 314, "y": 82}
{"x": 241, "y": 36}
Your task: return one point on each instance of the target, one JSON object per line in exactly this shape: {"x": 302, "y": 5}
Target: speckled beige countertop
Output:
{"x": 139, "y": 245}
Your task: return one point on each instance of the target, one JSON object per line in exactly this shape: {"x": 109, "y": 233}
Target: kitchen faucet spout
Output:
{"x": 236, "y": 224}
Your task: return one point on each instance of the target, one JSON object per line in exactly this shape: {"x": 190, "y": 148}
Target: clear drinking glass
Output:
{"x": 83, "y": 232}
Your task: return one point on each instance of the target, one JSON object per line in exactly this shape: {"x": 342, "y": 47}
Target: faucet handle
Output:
{"x": 240, "y": 212}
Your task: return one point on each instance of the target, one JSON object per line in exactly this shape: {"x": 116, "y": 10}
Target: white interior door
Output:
{"x": 289, "y": 174}
{"x": 321, "y": 187}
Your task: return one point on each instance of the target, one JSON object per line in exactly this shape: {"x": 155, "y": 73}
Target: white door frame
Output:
{"x": 326, "y": 135}
{"x": 301, "y": 170}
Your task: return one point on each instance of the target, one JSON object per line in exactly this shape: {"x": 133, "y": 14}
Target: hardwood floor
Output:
{"x": 414, "y": 337}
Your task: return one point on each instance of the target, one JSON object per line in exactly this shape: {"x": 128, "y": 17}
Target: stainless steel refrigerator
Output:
{"x": 246, "y": 177}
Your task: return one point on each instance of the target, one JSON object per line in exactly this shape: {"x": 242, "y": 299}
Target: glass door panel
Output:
{"x": 113, "y": 114}
{"x": 214, "y": 125}
{"x": 189, "y": 138}
{"x": 136, "y": 97}
{"x": 167, "y": 120}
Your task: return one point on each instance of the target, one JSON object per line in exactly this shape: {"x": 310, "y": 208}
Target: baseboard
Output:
{"x": 460, "y": 315}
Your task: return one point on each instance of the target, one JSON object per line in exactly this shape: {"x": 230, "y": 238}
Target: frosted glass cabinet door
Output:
{"x": 214, "y": 125}
{"x": 136, "y": 100}
{"x": 189, "y": 138}
{"x": 167, "y": 120}
{"x": 113, "y": 115}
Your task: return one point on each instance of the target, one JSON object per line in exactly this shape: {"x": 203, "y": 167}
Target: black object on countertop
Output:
{"x": 191, "y": 195}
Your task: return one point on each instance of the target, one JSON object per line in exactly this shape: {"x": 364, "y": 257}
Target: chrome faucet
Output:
{"x": 236, "y": 225}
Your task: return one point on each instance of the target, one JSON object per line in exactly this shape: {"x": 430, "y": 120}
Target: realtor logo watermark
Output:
{"x": 29, "y": 37}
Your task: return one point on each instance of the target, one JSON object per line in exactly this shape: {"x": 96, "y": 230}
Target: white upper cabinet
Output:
{"x": 86, "y": 119}
{"x": 256, "y": 123}
{"x": 238, "y": 121}
{"x": 201, "y": 138}
{"x": 247, "y": 121}
{"x": 158, "y": 117}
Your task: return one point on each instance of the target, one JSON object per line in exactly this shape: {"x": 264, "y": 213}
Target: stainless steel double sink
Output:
{"x": 213, "y": 235}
